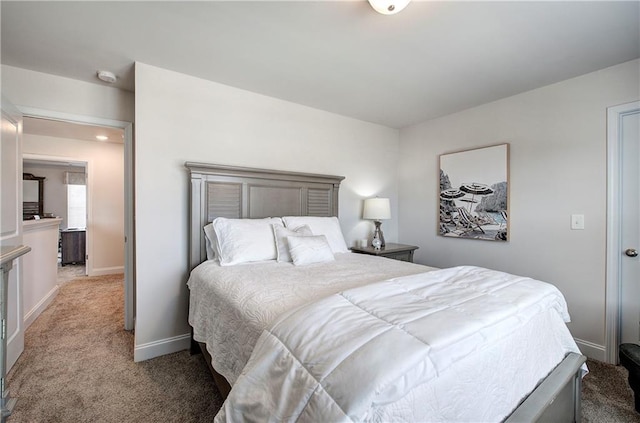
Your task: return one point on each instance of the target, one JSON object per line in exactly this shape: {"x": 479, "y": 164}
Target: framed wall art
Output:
{"x": 474, "y": 193}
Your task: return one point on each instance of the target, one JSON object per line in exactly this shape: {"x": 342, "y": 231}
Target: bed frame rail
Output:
{"x": 557, "y": 398}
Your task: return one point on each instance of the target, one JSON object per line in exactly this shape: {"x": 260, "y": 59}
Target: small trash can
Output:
{"x": 630, "y": 359}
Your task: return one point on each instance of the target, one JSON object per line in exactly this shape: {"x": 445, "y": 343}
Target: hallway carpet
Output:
{"x": 78, "y": 367}
{"x": 70, "y": 272}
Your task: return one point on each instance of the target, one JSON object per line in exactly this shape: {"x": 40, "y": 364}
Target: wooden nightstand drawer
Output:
{"x": 405, "y": 256}
{"x": 400, "y": 252}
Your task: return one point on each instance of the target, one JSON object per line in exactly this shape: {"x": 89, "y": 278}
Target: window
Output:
{"x": 77, "y": 206}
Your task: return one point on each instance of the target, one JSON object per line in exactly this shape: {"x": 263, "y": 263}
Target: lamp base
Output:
{"x": 378, "y": 233}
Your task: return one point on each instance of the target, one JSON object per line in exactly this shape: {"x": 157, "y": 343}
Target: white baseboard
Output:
{"x": 591, "y": 350}
{"x": 101, "y": 271}
{"x": 33, "y": 314}
{"x": 154, "y": 349}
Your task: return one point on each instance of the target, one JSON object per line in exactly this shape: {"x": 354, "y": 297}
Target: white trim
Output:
{"x": 101, "y": 271}
{"x": 161, "y": 347}
{"x": 33, "y": 314}
{"x": 45, "y": 157}
{"x": 36, "y": 225}
{"x": 70, "y": 117}
{"x": 614, "y": 249}
{"x": 89, "y": 255}
{"x": 129, "y": 231}
{"x": 591, "y": 350}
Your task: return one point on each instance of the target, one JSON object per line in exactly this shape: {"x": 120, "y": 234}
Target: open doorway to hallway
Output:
{"x": 83, "y": 166}
{"x": 64, "y": 197}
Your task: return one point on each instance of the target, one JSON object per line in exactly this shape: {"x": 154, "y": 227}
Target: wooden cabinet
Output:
{"x": 33, "y": 196}
{"x": 73, "y": 242}
{"x": 400, "y": 252}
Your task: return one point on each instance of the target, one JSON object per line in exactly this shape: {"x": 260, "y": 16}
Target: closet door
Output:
{"x": 630, "y": 226}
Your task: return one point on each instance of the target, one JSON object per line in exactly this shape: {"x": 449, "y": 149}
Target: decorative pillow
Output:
{"x": 309, "y": 249}
{"x": 210, "y": 242}
{"x": 327, "y": 226}
{"x": 244, "y": 240}
{"x": 282, "y": 245}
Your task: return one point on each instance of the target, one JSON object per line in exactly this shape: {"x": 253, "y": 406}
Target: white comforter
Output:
{"x": 372, "y": 353}
{"x": 231, "y": 306}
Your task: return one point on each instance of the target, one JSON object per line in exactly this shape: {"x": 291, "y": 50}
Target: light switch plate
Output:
{"x": 577, "y": 221}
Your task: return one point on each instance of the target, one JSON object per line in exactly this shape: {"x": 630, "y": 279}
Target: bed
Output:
{"x": 241, "y": 314}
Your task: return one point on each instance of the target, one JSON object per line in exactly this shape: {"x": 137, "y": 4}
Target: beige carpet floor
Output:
{"x": 78, "y": 367}
{"x": 70, "y": 272}
{"x": 606, "y": 395}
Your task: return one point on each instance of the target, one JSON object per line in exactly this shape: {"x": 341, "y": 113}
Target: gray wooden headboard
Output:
{"x": 241, "y": 193}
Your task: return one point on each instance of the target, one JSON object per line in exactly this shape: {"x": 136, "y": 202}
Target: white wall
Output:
{"x": 58, "y": 95}
{"x": 40, "y": 276}
{"x": 105, "y": 202}
{"x": 558, "y": 167}
{"x": 181, "y": 118}
{"x": 26, "y": 88}
{"x": 55, "y": 190}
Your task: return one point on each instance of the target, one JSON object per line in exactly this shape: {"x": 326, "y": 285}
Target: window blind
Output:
{"x": 75, "y": 178}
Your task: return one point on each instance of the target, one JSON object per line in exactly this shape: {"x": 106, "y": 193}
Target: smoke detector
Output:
{"x": 107, "y": 76}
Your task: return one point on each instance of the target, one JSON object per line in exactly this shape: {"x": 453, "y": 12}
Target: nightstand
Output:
{"x": 400, "y": 252}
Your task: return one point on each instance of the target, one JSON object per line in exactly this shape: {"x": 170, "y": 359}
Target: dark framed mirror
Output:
{"x": 32, "y": 196}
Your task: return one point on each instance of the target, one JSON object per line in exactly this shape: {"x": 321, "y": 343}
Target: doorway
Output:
{"x": 64, "y": 196}
{"x": 623, "y": 229}
{"x": 120, "y": 178}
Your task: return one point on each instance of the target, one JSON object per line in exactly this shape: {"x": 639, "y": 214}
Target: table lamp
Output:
{"x": 377, "y": 209}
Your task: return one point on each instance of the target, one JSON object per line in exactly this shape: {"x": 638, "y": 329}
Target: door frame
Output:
{"x": 129, "y": 221}
{"x": 614, "y": 248}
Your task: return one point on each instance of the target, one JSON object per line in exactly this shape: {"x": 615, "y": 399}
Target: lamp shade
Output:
{"x": 377, "y": 209}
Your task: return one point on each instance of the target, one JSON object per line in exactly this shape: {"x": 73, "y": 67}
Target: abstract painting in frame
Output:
{"x": 474, "y": 193}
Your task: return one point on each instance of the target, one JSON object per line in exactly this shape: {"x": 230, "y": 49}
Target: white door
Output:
{"x": 11, "y": 222}
{"x": 629, "y": 129}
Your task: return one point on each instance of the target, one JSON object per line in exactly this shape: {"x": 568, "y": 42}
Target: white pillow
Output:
{"x": 309, "y": 249}
{"x": 327, "y": 226}
{"x": 282, "y": 245}
{"x": 210, "y": 241}
{"x": 245, "y": 240}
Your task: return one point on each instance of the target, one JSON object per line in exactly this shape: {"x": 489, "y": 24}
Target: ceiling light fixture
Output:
{"x": 107, "y": 76}
{"x": 102, "y": 137}
{"x": 388, "y": 7}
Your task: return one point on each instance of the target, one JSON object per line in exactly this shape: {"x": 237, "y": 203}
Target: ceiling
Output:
{"x": 75, "y": 131}
{"x": 431, "y": 59}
